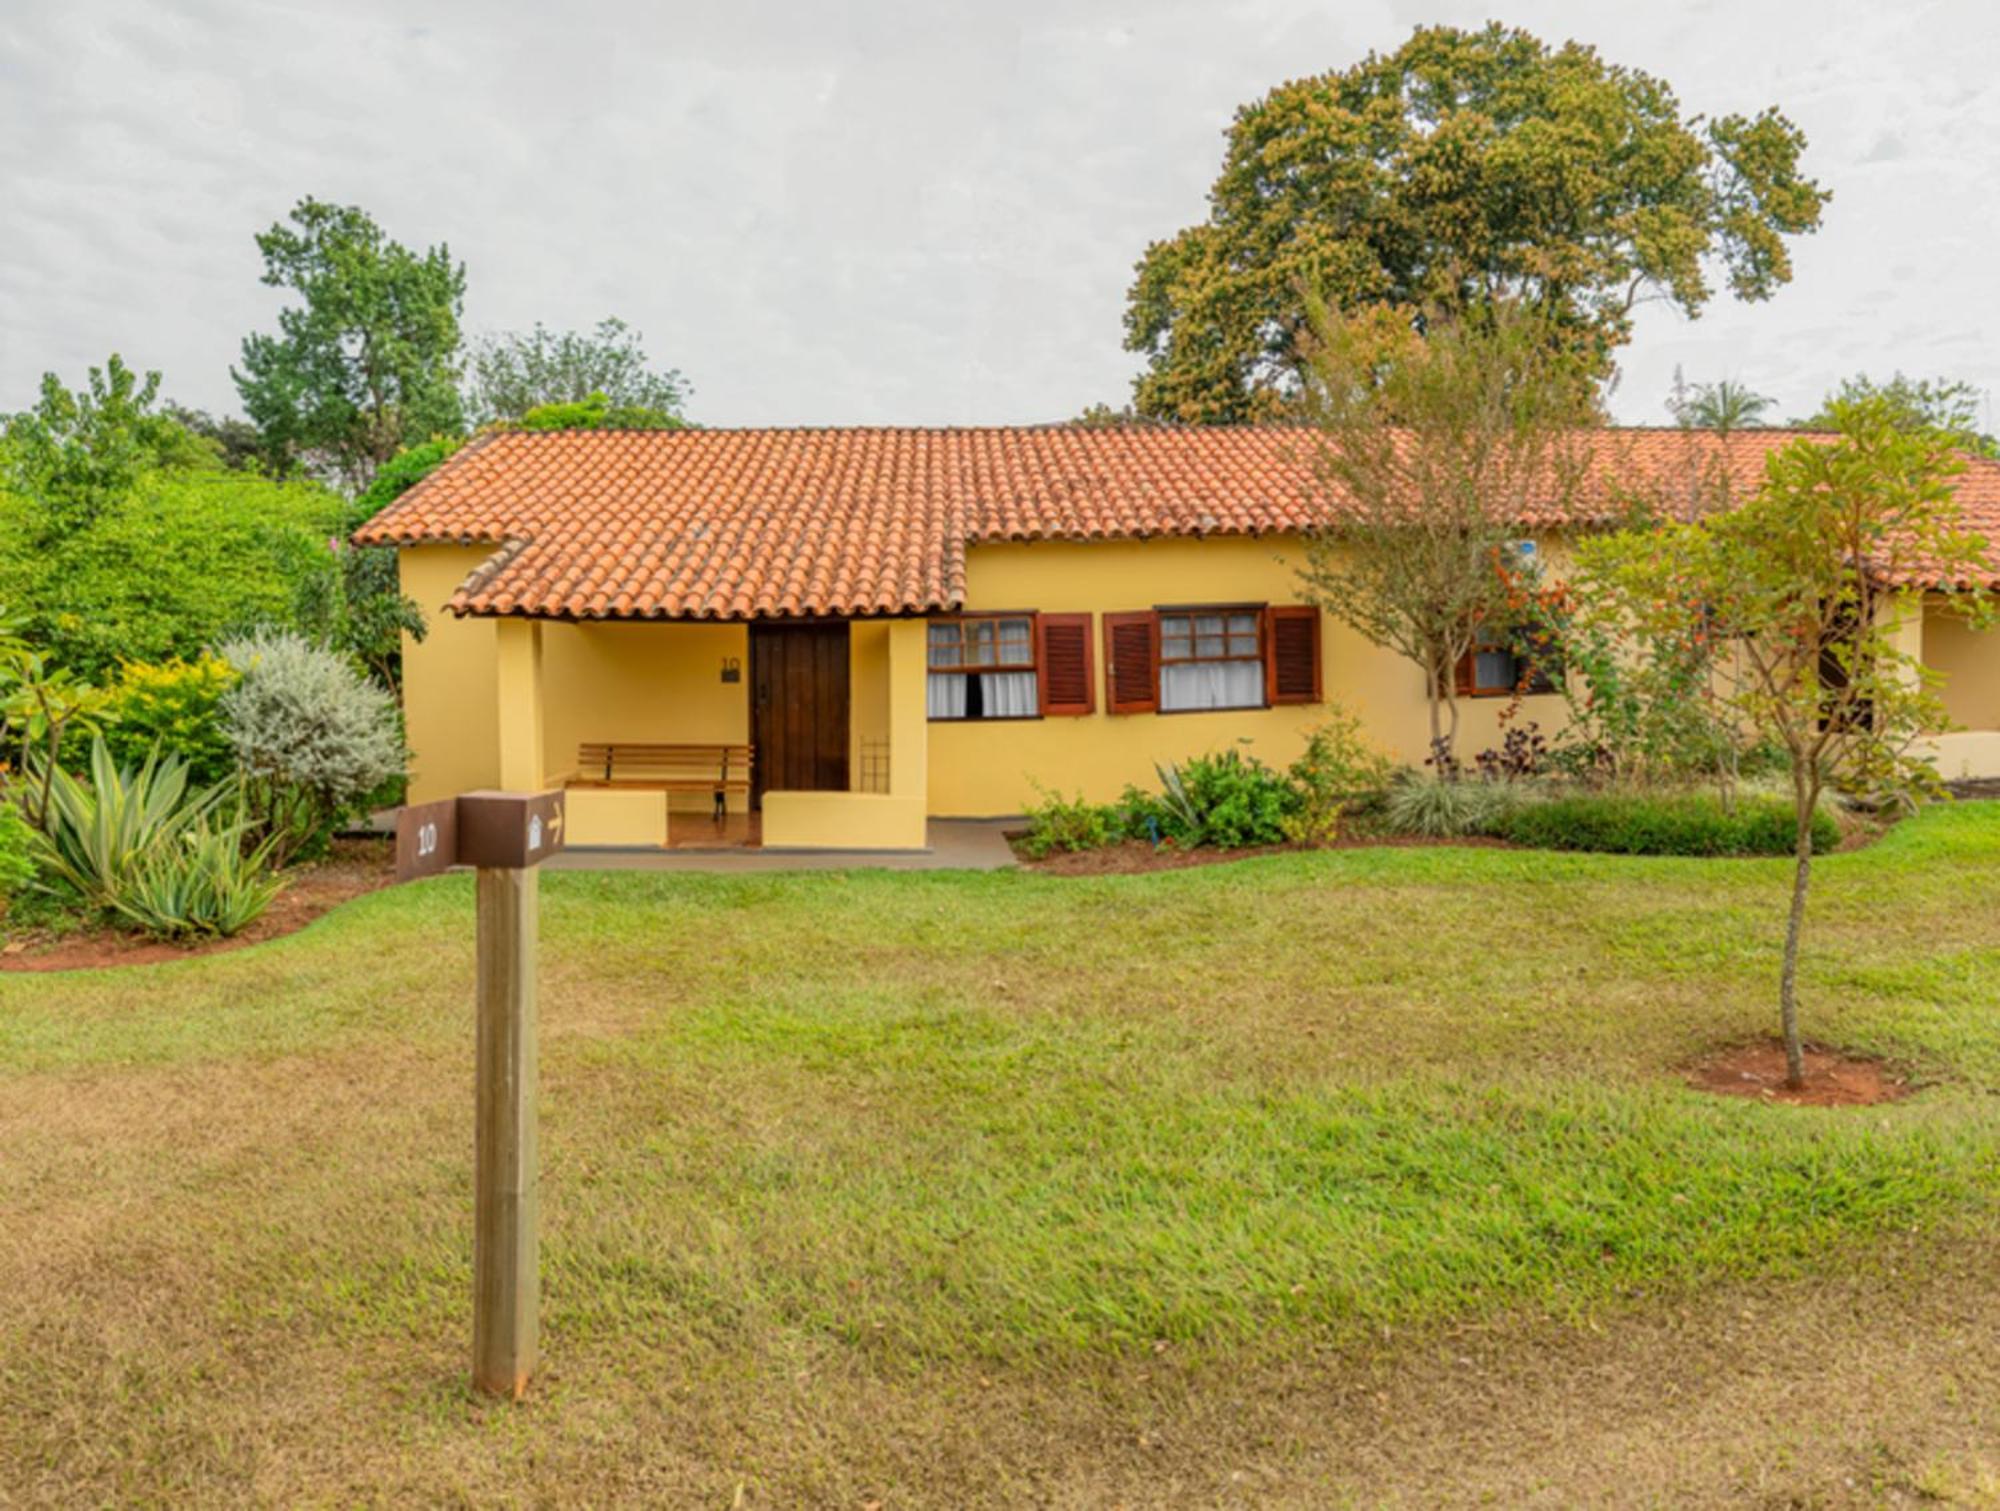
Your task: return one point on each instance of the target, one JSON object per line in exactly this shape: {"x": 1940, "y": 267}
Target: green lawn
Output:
{"x": 948, "y": 1189}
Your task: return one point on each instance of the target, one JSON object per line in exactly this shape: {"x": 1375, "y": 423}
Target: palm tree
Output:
{"x": 1721, "y": 407}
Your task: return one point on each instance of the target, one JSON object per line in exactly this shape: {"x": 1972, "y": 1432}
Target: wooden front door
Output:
{"x": 798, "y": 708}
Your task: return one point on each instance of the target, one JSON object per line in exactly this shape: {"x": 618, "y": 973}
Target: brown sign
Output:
{"x": 509, "y": 829}
{"x": 426, "y": 839}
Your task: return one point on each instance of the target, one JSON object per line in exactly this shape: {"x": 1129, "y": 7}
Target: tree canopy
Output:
{"x": 78, "y": 452}
{"x": 1433, "y": 448}
{"x": 368, "y": 361}
{"x": 1950, "y": 407}
{"x": 1464, "y": 168}
{"x": 519, "y": 371}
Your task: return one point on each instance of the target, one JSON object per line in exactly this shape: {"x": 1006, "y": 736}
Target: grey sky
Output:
{"x": 883, "y": 211}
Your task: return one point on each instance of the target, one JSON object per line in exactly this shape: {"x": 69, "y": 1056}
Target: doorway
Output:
{"x": 798, "y": 708}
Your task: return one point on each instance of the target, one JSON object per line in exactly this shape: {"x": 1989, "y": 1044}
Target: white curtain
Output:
{"x": 1008, "y": 695}
{"x": 945, "y": 698}
{"x": 1212, "y": 684}
{"x": 1002, "y": 695}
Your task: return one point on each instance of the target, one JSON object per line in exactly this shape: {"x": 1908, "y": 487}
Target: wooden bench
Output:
{"x": 720, "y": 769}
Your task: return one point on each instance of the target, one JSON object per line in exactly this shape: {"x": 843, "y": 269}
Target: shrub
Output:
{"x": 1338, "y": 771}
{"x": 17, "y": 854}
{"x": 1669, "y": 824}
{"x": 312, "y": 737}
{"x": 1228, "y": 800}
{"x": 174, "y": 706}
{"x": 1450, "y": 808}
{"x": 176, "y": 564}
{"x": 1069, "y": 824}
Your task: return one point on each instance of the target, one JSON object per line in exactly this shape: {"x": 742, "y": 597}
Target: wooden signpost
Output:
{"x": 504, "y": 835}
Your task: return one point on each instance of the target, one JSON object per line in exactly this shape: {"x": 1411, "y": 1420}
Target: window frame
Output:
{"x": 1033, "y": 665}
{"x": 1531, "y": 678}
{"x": 1261, "y": 657}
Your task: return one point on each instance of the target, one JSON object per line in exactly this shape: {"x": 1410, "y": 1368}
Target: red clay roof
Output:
{"x": 741, "y": 524}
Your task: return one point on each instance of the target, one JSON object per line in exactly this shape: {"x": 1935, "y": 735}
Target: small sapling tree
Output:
{"x": 1805, "y": 592}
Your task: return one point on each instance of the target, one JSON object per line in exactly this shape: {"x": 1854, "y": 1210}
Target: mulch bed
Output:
{"x": 355, "y": 867}
{"x": 1833, "y": 1079}
{"x": 1129, "y": 857}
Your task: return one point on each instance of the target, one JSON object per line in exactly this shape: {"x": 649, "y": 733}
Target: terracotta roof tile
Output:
{"x": 741, "y": 524}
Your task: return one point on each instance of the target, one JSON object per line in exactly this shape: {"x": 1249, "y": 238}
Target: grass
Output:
{"x": 987, "y": 1188}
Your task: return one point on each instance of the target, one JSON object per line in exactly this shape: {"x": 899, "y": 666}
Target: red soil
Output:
{"x": 1833, "y": 1079}
{"x": 355, "y": 867}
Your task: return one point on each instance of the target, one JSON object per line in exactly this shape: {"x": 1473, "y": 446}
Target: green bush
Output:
{"x": 312, "y": 737}
{"x": 168, "y": 569}
{"x": 1671, "y": 824}
{"x": 17, "y": 854}
{"x": 1069, "y": 824}
{"x": 1450, "y": 807}
{"x": 1338, "y": 772}
{"x": 1228, "y": 800}
{"x": 175, "y": 707}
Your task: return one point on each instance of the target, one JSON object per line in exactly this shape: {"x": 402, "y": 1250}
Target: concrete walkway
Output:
{"x": 956, "y": 844}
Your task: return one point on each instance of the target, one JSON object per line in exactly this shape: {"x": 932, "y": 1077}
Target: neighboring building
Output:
{"x": 911, "y": 623}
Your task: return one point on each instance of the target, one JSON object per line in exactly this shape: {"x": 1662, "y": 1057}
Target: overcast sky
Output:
{"x": 880, "y": 211}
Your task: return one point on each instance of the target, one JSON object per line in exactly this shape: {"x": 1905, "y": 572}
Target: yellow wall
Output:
{"x": 451, "y": 701}
{"x": 1970, "y": 661}
{"x": 868, "y": 694}
{"x": 991, "y": 767}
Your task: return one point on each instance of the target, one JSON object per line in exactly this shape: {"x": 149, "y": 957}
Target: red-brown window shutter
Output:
{"x": 1064, "y": 654}
{"x": 1291, "y": 653}
{"x": 1463, "y": 674}
{"x": 1132, "y": 663}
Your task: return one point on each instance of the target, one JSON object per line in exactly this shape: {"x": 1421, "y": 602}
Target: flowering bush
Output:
{"x": 176, "y": 707}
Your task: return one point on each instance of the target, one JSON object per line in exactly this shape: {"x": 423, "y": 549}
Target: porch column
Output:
{"x": 520, "y": 693}
{"x": 909, "y": 723}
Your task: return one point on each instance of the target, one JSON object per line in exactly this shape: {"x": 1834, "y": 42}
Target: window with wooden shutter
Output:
{"x": 1291, "y": 653}
{"x": 1132, "y": 663}
{"x": 1067, "y": 685}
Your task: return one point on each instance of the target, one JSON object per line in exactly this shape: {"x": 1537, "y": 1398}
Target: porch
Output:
{"x": 1968, "y": 661}
{"x": 827, "y": 715}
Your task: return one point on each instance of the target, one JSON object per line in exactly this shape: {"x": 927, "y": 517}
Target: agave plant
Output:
{"x": 202, "y": 881}
{"x": 1183, "y": 816}
{"x": 96, "y": 834}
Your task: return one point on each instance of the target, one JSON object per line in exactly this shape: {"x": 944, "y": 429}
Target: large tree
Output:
{"x": 1438, "y": 437}
{"x": 1801, "y": 590}
{"x": 368, "y": 361}
{"x": 1464, "y": 168}
{"x": 517, "y": 371}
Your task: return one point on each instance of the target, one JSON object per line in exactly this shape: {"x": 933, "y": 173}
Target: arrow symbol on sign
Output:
{"x": 555, "y": 825}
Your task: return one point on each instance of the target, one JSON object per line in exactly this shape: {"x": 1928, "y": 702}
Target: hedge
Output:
{"x": 1680, "y": 824}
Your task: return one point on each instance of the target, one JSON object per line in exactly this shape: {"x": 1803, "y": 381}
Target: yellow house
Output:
{"x": 823, "y": 638}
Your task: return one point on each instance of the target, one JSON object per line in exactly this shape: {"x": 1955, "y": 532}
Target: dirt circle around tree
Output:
{"x": 1834, "y": 1078}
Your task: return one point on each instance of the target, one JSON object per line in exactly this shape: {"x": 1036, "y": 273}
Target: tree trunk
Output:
{"x": 1788, "y": 981}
